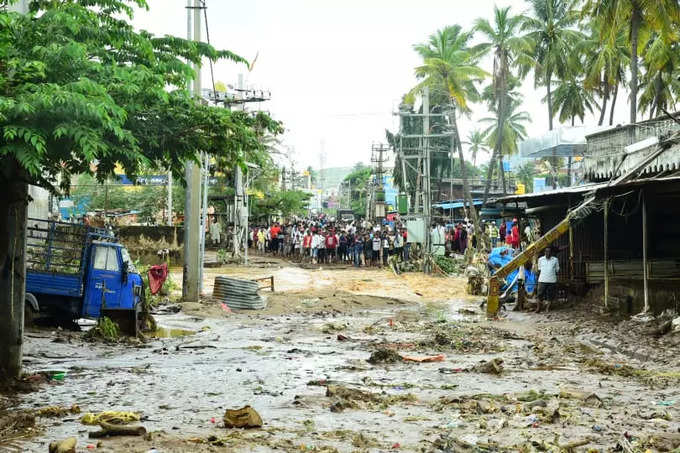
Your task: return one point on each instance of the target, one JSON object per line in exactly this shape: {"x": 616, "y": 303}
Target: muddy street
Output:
{"x": 440, "y": 377}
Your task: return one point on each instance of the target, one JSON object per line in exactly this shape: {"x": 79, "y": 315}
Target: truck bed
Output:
{"x": 54, "y": 283}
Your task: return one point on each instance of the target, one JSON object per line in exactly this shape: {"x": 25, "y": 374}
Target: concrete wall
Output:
{"x": 39, "y": 207}
{"x": 143, "y": 242}
{"x": 627, "y": 295}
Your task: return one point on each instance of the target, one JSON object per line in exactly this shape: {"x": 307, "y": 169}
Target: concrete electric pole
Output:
{"x": 192, "y": 174}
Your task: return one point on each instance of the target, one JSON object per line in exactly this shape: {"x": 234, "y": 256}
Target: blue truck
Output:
{"x": 76, "y": 271}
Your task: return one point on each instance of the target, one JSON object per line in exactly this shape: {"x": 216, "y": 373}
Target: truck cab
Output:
{"x": 75, "y": 271}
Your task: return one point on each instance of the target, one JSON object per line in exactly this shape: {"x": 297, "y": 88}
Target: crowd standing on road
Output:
{"x": 324, "y": 240}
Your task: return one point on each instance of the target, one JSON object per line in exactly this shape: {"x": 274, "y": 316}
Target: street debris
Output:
{"x": 432, "y": 358}
{"x": 493, "y": 366}
{"x": 105, "y": 329}
{"x": 113, "y": 429}
{"x": 57, "y": 411}
{"x": 238, "y": 293}
{"x": 64, "y": 446}
{"x": 384, "y": 356}
{"x": 113, "y": 417}
{"x": 245, "y": 417}
{"x": 343, "y": 397}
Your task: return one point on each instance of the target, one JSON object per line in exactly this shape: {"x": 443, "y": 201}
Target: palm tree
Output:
{"x": 513, "y": 131}
{"x": 659, "y": 85}
{"x": 572, "y": 100}
{"x": 509, "y": 49}
{"x": 450, "y": 67}
{"x": 604, "y": 64}
{"x": 660, "y": 16}
{"x": 552, "y": 34}
{"x": 477, "y": 141}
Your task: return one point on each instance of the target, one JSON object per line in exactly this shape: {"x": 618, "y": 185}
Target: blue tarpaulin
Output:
{"x": 455, "y": 205}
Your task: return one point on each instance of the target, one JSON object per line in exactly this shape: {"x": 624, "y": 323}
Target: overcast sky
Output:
{"x": 336, "y": 68}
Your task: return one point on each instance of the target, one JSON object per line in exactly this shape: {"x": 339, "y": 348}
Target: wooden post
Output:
{"x": 645, "y": 271}
{"x": 606, "y": 252}
{"x": 571, "y": 254}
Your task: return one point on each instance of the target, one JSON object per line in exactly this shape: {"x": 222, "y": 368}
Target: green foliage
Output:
{"x": 105, "y": 329}
{"x": 446, "y": 264}
{"x": 284, "y": 203}
{"x": 525, "y": 174}
{"x": 80, "y": 85}
{"x": 222, "y": 256}
{"x": 358, "y": 180}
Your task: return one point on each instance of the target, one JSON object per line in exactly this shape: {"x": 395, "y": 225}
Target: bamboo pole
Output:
{"x": 606, "y": 252}
{"x": 645, "y": 270}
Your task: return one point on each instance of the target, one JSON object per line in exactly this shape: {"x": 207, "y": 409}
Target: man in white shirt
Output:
{"x": 548, "y": 267}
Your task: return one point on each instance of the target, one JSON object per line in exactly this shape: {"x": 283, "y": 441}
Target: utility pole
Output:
{"x": 192, "y": 174}
{"x": 427, "y": 195}
{"x": 205, "y": 163}
{"x": 170, "y": 198}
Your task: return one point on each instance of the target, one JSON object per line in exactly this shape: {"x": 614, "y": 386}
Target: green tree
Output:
{"x": 477, "y": 142}
{"x": 450, "y": 66}
{"x": 552, "y": 33}
{"x": 358, "y": 181}
{"x": 509, "y": 50}
{"x": 78, "y": 84}
{"x": 635, "y": 16}
{"x": 604, "y": 64}
{"x": 525, "y": 174}
{"x": 572, "y": 100}
{"x": 283, "y": 202}
{"x": 659, "y": 85}
{"x": 512, "y": 132}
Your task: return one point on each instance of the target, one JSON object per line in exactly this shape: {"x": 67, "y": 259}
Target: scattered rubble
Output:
{"x": 245, "y": 417}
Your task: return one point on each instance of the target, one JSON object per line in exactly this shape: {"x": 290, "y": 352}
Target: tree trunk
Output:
{"x": 611, "y": 113}
{"x": 501, "y": 175}
{"x": 498, "y": 149}
{"x": 658, "y": 87}
{"x": 635, "y": 20}
{"x": 13, "y": 208}
{"x": 549, "y": 98}
{"x": 455, "y": 143}
{"x": 605, "y": 98}
{"x": 489, "y": 176}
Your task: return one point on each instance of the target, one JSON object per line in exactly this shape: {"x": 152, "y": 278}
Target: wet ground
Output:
{"x": 568, "y": 377}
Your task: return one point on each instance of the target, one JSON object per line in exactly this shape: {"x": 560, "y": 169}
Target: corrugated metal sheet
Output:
{"x": 238, "y": 294}
{"x": 632, "y": 269}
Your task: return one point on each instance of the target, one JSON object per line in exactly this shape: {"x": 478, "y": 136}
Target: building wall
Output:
{"x": 625, "y": 246}
{"x": 144, "y": 242}
{"x": 39, "y": 206}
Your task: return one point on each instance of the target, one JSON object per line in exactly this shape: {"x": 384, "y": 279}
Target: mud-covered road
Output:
{"x": 570, "y": 379}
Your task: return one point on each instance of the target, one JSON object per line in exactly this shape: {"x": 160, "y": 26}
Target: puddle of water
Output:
{"x": 168, "y": 332}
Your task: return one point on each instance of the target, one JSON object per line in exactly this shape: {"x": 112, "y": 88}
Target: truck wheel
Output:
{"x": 29, "y": 315}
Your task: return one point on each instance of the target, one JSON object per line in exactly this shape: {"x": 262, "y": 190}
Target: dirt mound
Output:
{"x": 384, "y": 356}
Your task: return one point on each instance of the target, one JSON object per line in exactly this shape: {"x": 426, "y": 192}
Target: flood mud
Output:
{"x": 562, "y": 381}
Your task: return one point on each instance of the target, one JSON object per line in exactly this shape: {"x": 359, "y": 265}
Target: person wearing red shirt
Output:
{"x": 274, "y": 234}
{"x": 514, "y": 235}
{"x": 331, "y": 245}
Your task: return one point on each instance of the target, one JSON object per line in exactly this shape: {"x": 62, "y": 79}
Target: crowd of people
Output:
{"x": 324, "y": 240}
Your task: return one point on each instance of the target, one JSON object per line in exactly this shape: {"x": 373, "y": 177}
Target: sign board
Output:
{"x": 415, "y": 229}
{"x": 521, "y": 189}
{"x": 539, "y": 185}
